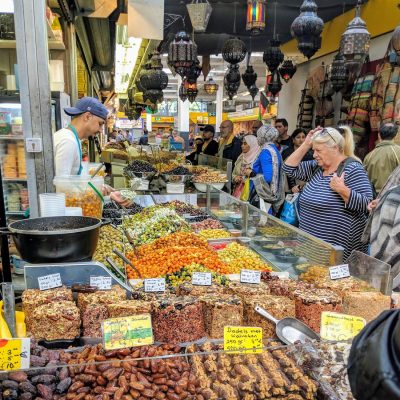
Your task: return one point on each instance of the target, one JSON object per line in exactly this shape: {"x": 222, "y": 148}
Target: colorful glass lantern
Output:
{"x": 355, "y": 42}
{"x": 307, "y": 29}
{"x": 249, "y": 77}
{"x": 339, "y": 75}
{"x": 191, "y": 90}
{"x": 255, "y": 16}
{"x": 273, "y": 55}
{"x": 210, "y": 87}
{"x": 287, "y": 70}
{"x": 199, "y": 13}
{"x": 182, "y": 53}
{"x": 234, "y": 51}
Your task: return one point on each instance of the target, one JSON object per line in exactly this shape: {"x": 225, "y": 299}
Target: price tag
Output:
{"x": 335, "y": 326}
{"x": 101, "y": 282}
{"x": 201, "y": 278}
{"x": 250, "y": 276}
{"x": 14, "y": 354}
{"x": 339, "y": 271}
{"x": 49, "y": 281}
{"x": 243, "y": 339}
{"x": 154, "y": 285}
{"x": 132, "y": 331}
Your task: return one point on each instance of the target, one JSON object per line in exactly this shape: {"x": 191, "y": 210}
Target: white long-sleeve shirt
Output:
{"x": 66, "y": 153}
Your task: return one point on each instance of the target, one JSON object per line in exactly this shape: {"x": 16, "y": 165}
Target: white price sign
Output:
{"x": 49, "y": 281}
{"x": 154, "y": 285}
{"x": 201, "y": 278}
{"x": 101, "y": 282}
{"x": 339, "y": 271}
{"x": 250, "y": 276}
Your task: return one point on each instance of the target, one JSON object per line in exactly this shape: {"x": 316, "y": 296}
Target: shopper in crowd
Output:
{"x": 385, "y": 158}
{"x": 193, "y": 157}
{"x": 266, "y": 174}
{"x": 255, "y": 127}
{"x": 210, "y": 146}
{"x": 129, "y": 136}
{"x": 297, "y": 139}
{"x": 284, "y": 139}
{"x": 176, "y": 137}
{"x": 112, "y": 135}
{"x": 250, "y": 152}
{"x": 333, "y": 204}
{"x": 229, "y": 145}
{"x": 373, "y": 364}
{"x": 120, "y": 136}
{"x": 144, "y": 139}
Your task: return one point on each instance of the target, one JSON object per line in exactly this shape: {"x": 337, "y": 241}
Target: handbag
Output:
{"x": 245, "y": 190}
{"x": 237, "y": 192}
{"x": 289, "y": 211}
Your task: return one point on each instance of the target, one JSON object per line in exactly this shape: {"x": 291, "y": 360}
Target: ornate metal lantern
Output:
{"x": 249, "y": 77}
{"x": 255, "y": 16}
{"x": 194, "y": 72}
{"x": 232, "y": 80}
{"x": 191, "y": 90}
{"x": 273, "y": 55}
{"x": 234, "y": 51}
{"x": 253, "y": 91}
{"x": 182, "y": 53}
{"x": 287, "y": 70}
{"x": 307, "y": 29}
{"x": 339, "y": 75}
{"x": 182, "y": 92}
{"x": 210, "y": 86}
{"x": 354, "y": 44}
{"x": 199, "y": 13}
{"x": 275, "y": 85}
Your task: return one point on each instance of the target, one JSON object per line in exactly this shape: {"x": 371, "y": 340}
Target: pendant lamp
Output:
{"x": 256, "y": 10}
{"x": 234, "y": 51}
{"x": 210, "y": 87}
{"x": 339, "y": 75}
{"x": 287, "y": 70}
{"x": 182, "y": 92}
{"x": 182, "y": 53}
{"x": 273, "y": 55}
{"x": 275, "y": 85}
{"x": 249, "y": 77}
{"x": 199, "y": 13}
{"x": 232, "y": 80}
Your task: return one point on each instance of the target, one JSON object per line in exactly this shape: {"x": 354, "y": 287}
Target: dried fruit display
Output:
{"x": 208, "y": 223}
{"x": 127, "y": 308}
{"x": 214, "y": 234}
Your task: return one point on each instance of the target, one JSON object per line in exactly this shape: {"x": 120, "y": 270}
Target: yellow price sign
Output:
{"x": 335, "y": 326}
{"x": 132, "y": 331}
{"x": 243, "y": 339}
{"x": 14, "y": 354}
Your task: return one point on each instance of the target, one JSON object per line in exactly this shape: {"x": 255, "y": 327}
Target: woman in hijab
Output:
{"x": 250, "y": 152}
{"x": 266, "y": 173}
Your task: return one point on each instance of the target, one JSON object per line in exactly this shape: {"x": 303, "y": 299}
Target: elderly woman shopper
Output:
{"x": 266, "y": 174}
{"x": 250, "y": 152}
{"x": 333, "y": 204}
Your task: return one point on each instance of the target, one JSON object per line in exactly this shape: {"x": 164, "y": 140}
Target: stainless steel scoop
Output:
{"x": 290, "y": 330}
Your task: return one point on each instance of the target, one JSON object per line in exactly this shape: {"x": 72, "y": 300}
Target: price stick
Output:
{"x": 154, "y": 285}
{"x": 132, "y": 331}
{"x": 339, "y": 271}
{"x": 101, "y": 282}
{"x": 14, "y": 354}
{"x": 340, "y": 327}
{"x": 49, "y": 281}
{"x": 250, "y": 276}
{"x": 243, "y": 340}
{"x": 201, "y": 278}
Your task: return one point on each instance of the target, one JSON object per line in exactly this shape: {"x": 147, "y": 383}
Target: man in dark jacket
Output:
{"x": 229, "y": 145}
{"x": 144, "y": 140}
{"x": 210, "y": 146}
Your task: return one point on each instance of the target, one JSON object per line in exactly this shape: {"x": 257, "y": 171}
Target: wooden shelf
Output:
{"x": 12, "y": 44}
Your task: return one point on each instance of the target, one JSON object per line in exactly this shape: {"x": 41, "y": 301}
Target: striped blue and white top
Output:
{"x": 323, "y": 212}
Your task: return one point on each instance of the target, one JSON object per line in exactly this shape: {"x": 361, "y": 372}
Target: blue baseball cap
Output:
{"x": 88, "y": 104}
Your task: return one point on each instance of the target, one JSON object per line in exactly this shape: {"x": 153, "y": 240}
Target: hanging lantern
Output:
{"x": 339, "y": 75}
{"x": 253, "y": 91}
{"x": 255, "y": 16}
{"x": 182, "y": 53}
{"x": 232, "y": 80}
{"x": 191, "y": 90}
{"x": 199, "y": 13}
{"x": 307, "y": 29}
{"x": 193, "y": 72}
{"x": 354, "y": 44}
{"x": 182, "y": 92}
{"x": 275, "y": 85}
{"x": 249, "y": 77}
{"x": 287, "y": 70}
{"x": 273, "y": 56}
{"x": 234, "y": 51}
{"x": 210, "y": 86}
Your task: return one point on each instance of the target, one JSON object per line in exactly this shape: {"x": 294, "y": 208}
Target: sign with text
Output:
{"x": 14, "y": 354}
{"x": 250, "y": 276}
{"x": 154, "y": 285}
{"x": 201, "y": 278}
{"x": 339, "y": 271}
{"x": 335, "y": 326}
{"x": 49, "y": 281}
{"x": 132, "y": 331}
{"x": 101, "y": 282}
{"x": 243, "y": 339}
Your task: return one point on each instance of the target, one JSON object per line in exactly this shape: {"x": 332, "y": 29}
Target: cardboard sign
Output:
{"x": 101, "y": 282}
{"x": 243, "y": 339}
{"x": 14, "y": 354}
{"x": 201, "y": 278}
{"x": 154, "y": 285}
{"x": 339, "y": 271}
{"x": 250, "y": 276}
{"x": 49, "y": 281}
{"x": 335, "y": 326}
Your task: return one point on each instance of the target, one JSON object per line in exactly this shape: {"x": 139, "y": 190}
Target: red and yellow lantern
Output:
{"x": 256, "y": 10}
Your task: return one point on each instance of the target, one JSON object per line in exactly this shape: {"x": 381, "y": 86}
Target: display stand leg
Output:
{"x": 5, "y": 254}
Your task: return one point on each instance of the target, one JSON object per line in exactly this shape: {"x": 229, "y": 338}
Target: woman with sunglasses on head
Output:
{"x": 333, "y": 203}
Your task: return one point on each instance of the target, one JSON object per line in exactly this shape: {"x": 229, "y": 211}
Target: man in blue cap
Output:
{"x": 88, "y": 118}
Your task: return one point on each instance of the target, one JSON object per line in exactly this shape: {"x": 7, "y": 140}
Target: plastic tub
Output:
{"x": 81, "y": 191}
{"x": 175, "y": 188}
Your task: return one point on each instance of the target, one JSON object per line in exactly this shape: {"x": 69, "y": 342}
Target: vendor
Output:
{"x": 193, "y": 157}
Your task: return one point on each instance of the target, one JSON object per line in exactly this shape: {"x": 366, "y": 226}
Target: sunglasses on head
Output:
{"x": 325, "y": 132}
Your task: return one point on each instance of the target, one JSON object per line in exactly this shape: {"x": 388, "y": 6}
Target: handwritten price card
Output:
{"x": 335, "y": 326}
{"x": 243, "y": 339}
{"x": 14, "y": 354}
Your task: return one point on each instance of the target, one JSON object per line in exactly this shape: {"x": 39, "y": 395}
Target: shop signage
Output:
{"x": 154, "y": 285}
{"x": 201, "y": 278}
{"x": 243, "y": 339}
{"x": 101, "y": 282}
{"x": 49, "y": 281}
{"x": 123, "y": 123}
{"x": 164, "y": 120}
{"x": 14, "y": 354}
{"x": 135, "y": 330}
{"x": 250, "y": 276}
{"x": 339, "y": 271}
{"x": 335, "y": 326}
{"x": 243, "y": 113}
